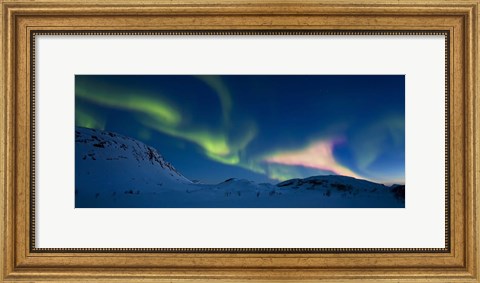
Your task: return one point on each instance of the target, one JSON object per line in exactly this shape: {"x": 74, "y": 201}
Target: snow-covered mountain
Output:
{"x": 117, "y": 171}
{"x": 107, "y": 164}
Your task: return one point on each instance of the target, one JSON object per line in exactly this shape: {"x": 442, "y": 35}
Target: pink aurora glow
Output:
{"x": 318, "y": 155}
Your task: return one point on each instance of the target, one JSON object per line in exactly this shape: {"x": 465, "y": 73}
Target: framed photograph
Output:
{"x": 232, "y": 141}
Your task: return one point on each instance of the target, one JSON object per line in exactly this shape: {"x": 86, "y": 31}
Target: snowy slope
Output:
{"x": 343, "y": 191}
{"x": 117, "y": 171}
{"x": 107, "y": 164}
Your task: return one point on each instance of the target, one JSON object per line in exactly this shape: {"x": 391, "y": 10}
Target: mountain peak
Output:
{"x": 110, "y": 160}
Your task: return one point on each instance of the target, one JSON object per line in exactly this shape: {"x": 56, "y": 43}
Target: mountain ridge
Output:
{"x": 113, "y": 170}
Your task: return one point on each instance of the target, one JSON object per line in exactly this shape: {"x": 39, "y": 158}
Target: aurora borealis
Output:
{"x": 265, "y": 128}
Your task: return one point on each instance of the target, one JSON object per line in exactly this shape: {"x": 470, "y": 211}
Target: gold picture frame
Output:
{"x": 22, "y": 21}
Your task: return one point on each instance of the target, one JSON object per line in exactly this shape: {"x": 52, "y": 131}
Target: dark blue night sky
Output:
{"x": 265, "y": 128}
